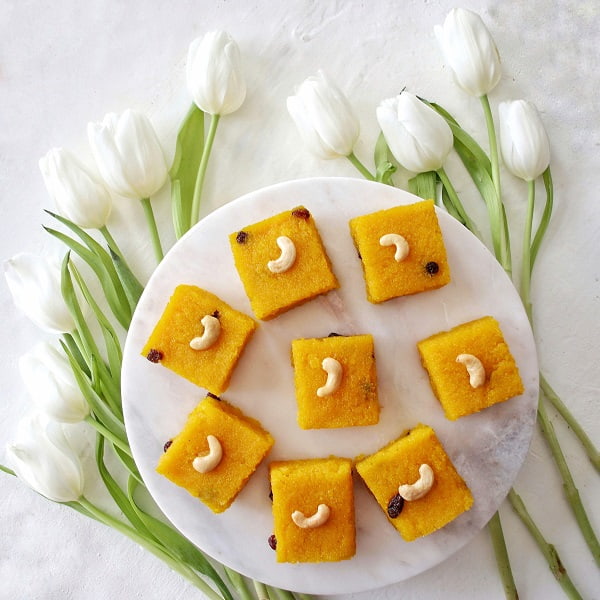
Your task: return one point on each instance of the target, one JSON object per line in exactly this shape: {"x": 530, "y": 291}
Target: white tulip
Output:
{"x": 470, "y": 51}
{"x": 51, "y": 384}
{"x": 214, "y": 75}
{"x": 34, "y": 282}
{"x": 523, "y": 139}
{"x": 77, "y": 194}
{"x": 418, "y": 137}
{"x": 128, "y": 154}
{"x": 324, "y": 117}
{"x": 43, "y": 459}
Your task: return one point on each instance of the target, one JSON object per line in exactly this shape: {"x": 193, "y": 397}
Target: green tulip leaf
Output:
{"x": 424, "y": 185}
{"x": 384, "y": 168}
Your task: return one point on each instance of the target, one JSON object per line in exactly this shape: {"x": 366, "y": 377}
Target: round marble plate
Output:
{"x": 487, "y": 448}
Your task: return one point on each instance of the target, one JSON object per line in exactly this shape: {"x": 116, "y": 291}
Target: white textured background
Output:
{"x": 65, "y": 63}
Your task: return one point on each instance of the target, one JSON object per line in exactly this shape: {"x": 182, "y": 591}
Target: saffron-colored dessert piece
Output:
{"x": 215, "y": 472}
{"x": 282, "y": 262}
{"x": 399, "y": 464}
{"x": 470, "y": 367}
{"x": 336, "y": 381}
{"x": 402, "y": 251}
{"x": 200, "y": 337}
{"x": 313, "y": 510}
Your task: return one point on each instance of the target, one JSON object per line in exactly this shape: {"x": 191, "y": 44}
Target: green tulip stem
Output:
{"x": 149, "y": 545}
{"x": 261, "y": 590}
{"x": 208, "y": 144}
{"x": 456, "y": 203}
{"x": 7, "y": 470}
{"x": 548, "y": 550}
{"x": 109, "y": 435}
{"x": 526, "y": 263}
{"x": 149, "y": 214}
{"x": 502, "y": 559}
{"x": 239, "y": 583}
{"x": 360, "y": 167}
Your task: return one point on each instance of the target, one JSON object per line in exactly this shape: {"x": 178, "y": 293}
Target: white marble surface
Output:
{"x": 487, "y": 448}
{"x": 64, "y": 64}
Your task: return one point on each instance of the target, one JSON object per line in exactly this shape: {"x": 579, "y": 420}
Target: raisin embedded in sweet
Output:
{"x": 432, "y": 268}
{"x": 334, "y": 334}
{"x": 241, "y": 237}
{"x": 167, "y": 445}
{"x": 213, "y": 396}
{"x": 272, "y": 542}
{"x": 271, "y": 495}
{"x": 301, "y": 213}
{"x": 155, "y": 356}
{"x": 216, "y": 314}
{"x": 395, "y": 506}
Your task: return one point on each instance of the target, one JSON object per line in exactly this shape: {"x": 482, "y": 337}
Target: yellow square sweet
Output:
{"x": 301, "y": 486}
{"x": 243, "y": 444}
{"x": 451, "y": 381}
{"x": 353, "y": 401}
{"x": 181, "y": 322}
{"x": 398, "y": 464}
{"x": 398, "y": 266}
{"x": 258, "y": 249}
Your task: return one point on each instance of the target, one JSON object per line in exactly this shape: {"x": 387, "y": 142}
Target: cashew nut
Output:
{"x": 334, "y": 377}
{"x": 474, "y": 367}
{"x": 395, "y": 239}
{"x": 207, "y": 462}
{"x": 316, "y": 520}
{"x": 286, "y": 258}
{"x": 212, "y": 329}
{"x": 420, "y": 487}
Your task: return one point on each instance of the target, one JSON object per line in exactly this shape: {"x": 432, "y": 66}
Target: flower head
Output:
{"x": 50, "y": 382}
{"x": 43, "y": 459}
{"x": 214, "y": 74}
{"x": 34, "y": 282}
{"x": 77, "y": 194}
{"x": 324, "y": 117}
{"x": 418, "y": 137}
{"x": 128, "y": 154}
{"x": 469, "y": 49}
{"x": 523, "y": 139}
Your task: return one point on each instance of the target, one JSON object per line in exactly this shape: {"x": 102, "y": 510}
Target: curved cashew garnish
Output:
{"x": 207, "y": 462}
{"x": 395, "y": 239}
{"x": 287, "y": 257}
{"x": 334, "y": 377}
{"x": 474, "y": 367}
{"x": 316, "y": 520}
{"x": 420, "y": 487}
{"x": 212, "y": 329}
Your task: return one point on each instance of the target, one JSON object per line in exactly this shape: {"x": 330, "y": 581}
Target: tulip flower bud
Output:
{"x": 34, "y": 282}
{"x": 77, "y": 194}
{"x": 43, "y": 459}
{"x": 418, "y": 137}
{"x": 214, "y": 74}
{"x": 324, "y": 117}
{"x": 50, "y": 382}
{"x": 128, "y": 154}
{"x": 523, "y": 139}
{"x": 470, "y": 51}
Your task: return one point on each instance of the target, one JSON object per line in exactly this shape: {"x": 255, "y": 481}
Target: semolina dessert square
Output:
{"x": 398, "y": 463}
{"x": 180, "y": 323}
{"x": 243, "y": 442}
{"x": 450, "y": 380}
{"x": 355, "y": 401}
{"x": 271, "y": 293}
{"x": 424, "y": 268}
{"x": 303, "y": 485}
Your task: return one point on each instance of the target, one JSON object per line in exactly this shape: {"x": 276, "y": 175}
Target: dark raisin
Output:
{"x": 334, "y": 334}
{"x": 241, "y": 237}
{"x": 395, "y": 506}
{"x": 271, "y": 495}
{"x": 359, "y": 255}
{"x": 301, "y": 213}
{"x": 213, "y": 396}
{"x": 155, "y": 356}
{"x": 167, "y": 445}
{"x": 216, "y": 314}
{"x": 432, "y": 268}
{"x": 272, "y": 542}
